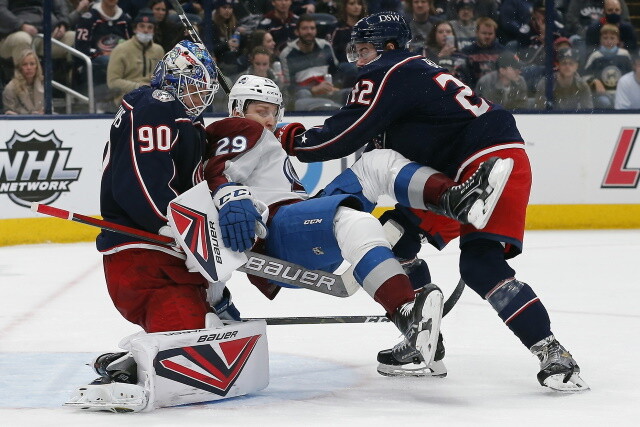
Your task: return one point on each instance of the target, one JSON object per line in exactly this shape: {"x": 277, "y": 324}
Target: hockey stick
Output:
{"x": 319, "y": 320}
{"x": 224, "y": 82}
{"x": 257, "y": 264}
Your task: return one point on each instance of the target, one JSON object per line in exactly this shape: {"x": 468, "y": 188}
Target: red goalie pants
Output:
{"x": 155, "y": 290}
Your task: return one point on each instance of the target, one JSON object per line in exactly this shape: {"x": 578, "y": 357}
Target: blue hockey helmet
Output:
{"x": 380, "y": 29}
{"x": 188, "y": 72}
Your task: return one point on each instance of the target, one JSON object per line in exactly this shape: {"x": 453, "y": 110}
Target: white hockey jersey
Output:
{"x": 242, "y": 151}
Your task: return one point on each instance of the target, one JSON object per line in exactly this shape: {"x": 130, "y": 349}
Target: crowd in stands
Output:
{"x": 496, "y": 47}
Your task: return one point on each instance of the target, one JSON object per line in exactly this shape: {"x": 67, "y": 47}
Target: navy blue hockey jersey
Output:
{"x": 154, "y": 153}
{"x": 406, "y": 103}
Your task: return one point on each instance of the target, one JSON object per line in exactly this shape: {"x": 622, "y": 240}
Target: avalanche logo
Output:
{"x": 34, "y": 168}
{"x": 203, "y": 367}
{"x": 200, "y": 239}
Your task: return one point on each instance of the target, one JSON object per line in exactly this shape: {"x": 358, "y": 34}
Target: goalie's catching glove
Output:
{"x": 240, "y": 221}
{"x": 287, "y": 133}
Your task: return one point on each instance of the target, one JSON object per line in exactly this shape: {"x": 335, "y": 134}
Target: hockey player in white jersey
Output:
{"x": 246, "y": 168}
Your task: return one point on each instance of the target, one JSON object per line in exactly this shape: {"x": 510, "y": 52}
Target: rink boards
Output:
{"x": 586, "y": 170}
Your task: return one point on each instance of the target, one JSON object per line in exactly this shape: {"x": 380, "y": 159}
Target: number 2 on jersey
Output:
{"x": 463, "y": 92}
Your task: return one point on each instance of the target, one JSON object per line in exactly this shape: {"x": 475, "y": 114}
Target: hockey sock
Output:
{"x": 382, "y": 277}
{"x": 418, "y": 186}
{"x": 521, "y": 310}
{"x": 484, "y": 269}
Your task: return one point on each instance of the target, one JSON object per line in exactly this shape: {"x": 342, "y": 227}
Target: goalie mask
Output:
{"x": 188, "y": 72}
{"x": 253, "y": 88}
{"x": 379, "y": 29}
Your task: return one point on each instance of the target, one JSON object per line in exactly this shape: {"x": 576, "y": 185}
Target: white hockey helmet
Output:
{"x": 254, "y": 88}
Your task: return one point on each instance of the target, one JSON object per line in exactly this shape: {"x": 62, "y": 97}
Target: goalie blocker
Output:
{"x": 182, "y": 367}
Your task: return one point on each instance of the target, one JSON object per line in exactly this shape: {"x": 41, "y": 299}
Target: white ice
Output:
{"x": 55, "y": 315}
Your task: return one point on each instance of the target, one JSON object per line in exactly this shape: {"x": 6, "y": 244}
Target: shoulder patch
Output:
{"x": 162, "y": 96}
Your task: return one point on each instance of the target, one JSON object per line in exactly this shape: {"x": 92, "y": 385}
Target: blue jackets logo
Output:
{"x": 34, "y": 168}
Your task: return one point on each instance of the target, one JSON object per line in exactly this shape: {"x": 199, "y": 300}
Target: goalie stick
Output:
{"x": 258, "y": 264}
{"x": 224, "y": 82}
{"x": 318, "y": 320}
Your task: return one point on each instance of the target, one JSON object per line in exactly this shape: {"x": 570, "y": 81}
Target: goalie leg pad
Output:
{"x": 183, "y": 367}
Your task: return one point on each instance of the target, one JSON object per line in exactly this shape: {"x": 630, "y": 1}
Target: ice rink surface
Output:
{"x": 55, "y": 315}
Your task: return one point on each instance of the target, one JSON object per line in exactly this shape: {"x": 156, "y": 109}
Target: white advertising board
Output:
{"x": 576, "y": 159}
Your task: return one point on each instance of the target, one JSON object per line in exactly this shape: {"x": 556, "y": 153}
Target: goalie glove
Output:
{"x": 240, "y": 221}
{"x": 287, "y": 133}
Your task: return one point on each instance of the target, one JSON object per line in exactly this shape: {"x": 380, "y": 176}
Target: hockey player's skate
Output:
{"x": 115, "y": 390}
{"x": 419, "y": 321}
{"x": 404, "y": 361}
{"x": 116, "y": 367}
{"x": 473, "y": 201}
{"x": 558, "y": 370}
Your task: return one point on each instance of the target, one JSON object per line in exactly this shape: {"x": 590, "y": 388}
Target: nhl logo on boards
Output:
{"x": 33, "y": 168}
{"x": 210, "y": 367}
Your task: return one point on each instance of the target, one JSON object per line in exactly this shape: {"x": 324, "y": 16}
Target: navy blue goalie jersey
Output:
{"x": 407, "y": 103}
{"x": 154, "y": 153}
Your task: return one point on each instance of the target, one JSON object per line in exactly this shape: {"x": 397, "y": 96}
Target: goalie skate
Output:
{"x": 473, "y": 201}
{"x": 419, "y": 321}
{"x": 403, "y": 361}
{"x": 558, "y": 370}
{"x": 112, "y": 397}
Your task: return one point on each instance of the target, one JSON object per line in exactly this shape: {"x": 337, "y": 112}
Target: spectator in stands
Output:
{"x": 20, "y": 21}
{"x": 581, "y": 14}
{"x": 328, "y": 6}
{"x": 132, "y": 7}
{"x": 260, "y": 64}
{"x": 612, "y": 16}
{"x": 514, "y": 20}
{"x": 349, "y": 12}
{"x": 77, "y": 8}
{"x": 464, "y": 26}
{"x": 167, "y": 32}
{"x": 227, "y": 39}
{"x": 441, "y": 49}
{"x": 263, "y": 39}
{"x": 570, "y": 91}
{"x": 24, "y": 94}
{"x": 307, "y": 63}
{"x": 300, "y": 7}
{"x": 280, "y": 22}
{"x": 505, "y": 86}
{"x": 483, "y": 53}
{"x": 98, "y": 33}
{"x": 132, "y": 62}
{"x": 421, "y": 22}
{"x": 628, "y": 89}
{"x": 605, "y": 66}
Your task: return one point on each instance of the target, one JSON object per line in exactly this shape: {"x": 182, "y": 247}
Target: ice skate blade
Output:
{"x": 427, "y": 339}
{"x": 481, "y": 211}
{"x": 419, "y": 370}
{"x": 573, "y": 385}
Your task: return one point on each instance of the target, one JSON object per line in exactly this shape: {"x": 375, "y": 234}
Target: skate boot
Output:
{"x": 419, "y": 321}
{"x": 404, "y": 361}
{"x": 558, "y": 370}
{"x": 115, "y": 367}
{"x": 472, "y": 201}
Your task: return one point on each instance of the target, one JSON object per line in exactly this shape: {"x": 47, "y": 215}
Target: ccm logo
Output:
{"x": 312, "y": 221}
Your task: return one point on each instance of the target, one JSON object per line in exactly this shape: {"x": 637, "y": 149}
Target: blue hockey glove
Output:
{"x": 238, "y": 216}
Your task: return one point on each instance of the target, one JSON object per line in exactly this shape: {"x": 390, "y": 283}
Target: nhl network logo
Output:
{"x": 33, "y": 168}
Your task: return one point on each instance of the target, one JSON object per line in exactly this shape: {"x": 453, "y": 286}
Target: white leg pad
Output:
{"x": 182, "y": 367}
